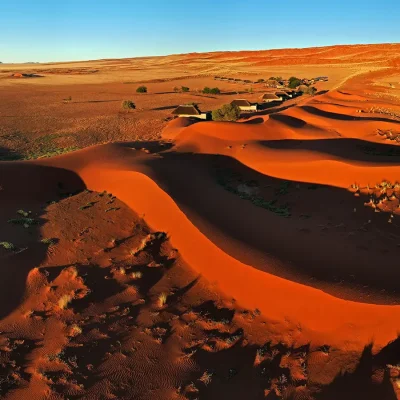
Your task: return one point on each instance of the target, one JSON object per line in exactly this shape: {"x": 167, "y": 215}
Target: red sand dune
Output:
{"x": 277, "y": 213}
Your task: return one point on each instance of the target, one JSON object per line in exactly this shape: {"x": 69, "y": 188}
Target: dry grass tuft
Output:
{"x": 136, "y": 275}
{"x": 162, "y": 299}
{"x": 64, "y": 300}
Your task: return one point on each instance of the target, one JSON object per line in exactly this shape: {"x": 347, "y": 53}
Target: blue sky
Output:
{"x": 45, "y": 30}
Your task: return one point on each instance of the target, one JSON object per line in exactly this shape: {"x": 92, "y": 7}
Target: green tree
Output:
{"x": 215, "y": 91}
{"x": 228, "y": 112}
{"x": 294, "y": 82}
{"x": 141, "y": 89}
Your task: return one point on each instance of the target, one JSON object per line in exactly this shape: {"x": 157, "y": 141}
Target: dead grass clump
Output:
{"x": 162, "y": 299}
{"x": 206, "y": 378}
{"x": 64, "y": 300}
{"x": 136, "y": 275}
{"x": 74, "y": 330}
{"x": 88, "y": 205}
{"x": 128, "y": 105}
{"x": 49, "y": 241}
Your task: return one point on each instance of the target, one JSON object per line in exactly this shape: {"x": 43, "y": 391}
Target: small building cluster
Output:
{"x": 283, "y": 93}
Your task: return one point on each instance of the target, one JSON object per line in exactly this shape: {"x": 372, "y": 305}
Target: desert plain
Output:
{"x": 144, "y": 256}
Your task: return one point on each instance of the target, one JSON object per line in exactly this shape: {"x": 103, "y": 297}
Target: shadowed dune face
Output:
{"x": 26, "y": 188}
{"x": 343, "y": 149}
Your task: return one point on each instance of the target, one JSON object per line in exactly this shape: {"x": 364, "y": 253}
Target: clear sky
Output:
{"x": 51, "y": 30}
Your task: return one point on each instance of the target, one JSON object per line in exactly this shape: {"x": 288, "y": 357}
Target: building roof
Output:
{"x": 270, "y": 96}
{"x": 187, "y": 109}
{"x": 241, "y": 103}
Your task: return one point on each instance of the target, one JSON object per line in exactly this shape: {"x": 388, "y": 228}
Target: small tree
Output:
{"x": 141, "y": 89}
{"x": 206, "y": 90}
{"x": 228, "y": 112}
{"x": 294, "y": 82}
{"x": 215, "y": 91}
{"x": 185, "y": 89}
{"x": 128, "y": 105}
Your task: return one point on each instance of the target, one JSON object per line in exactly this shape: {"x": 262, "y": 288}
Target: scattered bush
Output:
{"x": 176, "y": 89}
{"x": 49, "y": 241}
{"x": 294, "y": 82}
{"x": 228, "y": 112}
{"x": 24, "y": 213}
{"x": 128, "y": 105}
{"x": 88, "y": 205}
{"x": 7, "y": 245}
{"x": 208, "y": 90}
{"x": 26, "y": 222}
{"x": 141, "y": 89}
{"x": 185, "y": 89}
{"x": 260, "y": 80}
{"x": 275, "y": 78}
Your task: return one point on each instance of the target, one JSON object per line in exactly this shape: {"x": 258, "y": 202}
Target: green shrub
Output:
{"x": 128, "y": 105}
{"x": 228, "y": 112}
{"x": 215, "y": 91}
{"x": 294, "y": 82}
{"x": 7, "y": 245}
{"x": 185, "y": 89}
{"x": 141, "y": 89}
{"x": 208, "y": 90}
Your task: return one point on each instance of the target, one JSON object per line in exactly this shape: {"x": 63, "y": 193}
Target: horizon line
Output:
{"x": 202, "y": 52}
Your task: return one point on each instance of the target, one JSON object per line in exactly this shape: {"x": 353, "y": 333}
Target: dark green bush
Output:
{"x": 141, "y": 89}
{"x": 215, "y": 91}
{"x": 294, "y": 82}
{"x": 185, "y": 89}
